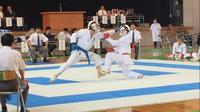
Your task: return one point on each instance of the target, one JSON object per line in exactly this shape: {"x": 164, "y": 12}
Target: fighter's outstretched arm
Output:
{"x": 121, "y": 41}
{"x": 100, "y": 35}
{"x": 110, "y": 32}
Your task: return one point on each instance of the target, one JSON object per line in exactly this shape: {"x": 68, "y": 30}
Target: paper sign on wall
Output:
{"x": 8, "y": 22}
{"x": 113, "y": 19}
{"x": 19, "y": 21}
{"x": 123, "y": 19}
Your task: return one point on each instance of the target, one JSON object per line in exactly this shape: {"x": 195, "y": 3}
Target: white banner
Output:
{"x": 61, "y": 45}
{"x": 104, "y": 19}
{"x": 9, "y": 22}
{"x": 19, "y": 21}
{"x": 123, "y": 19}
{"x": 113, "y": 19}
{"x": 95, "y": 18}
{"x": 24, "y": 47}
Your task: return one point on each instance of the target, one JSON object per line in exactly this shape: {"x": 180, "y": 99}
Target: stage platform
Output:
{"x": 78, "y": 89}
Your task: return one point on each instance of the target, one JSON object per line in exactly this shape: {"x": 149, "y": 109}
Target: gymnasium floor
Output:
{"x": 79, "y": 89}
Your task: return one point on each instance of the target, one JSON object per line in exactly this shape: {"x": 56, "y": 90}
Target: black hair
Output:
{"x": 71, "y": 31}
{"x": 37, "y": 28}
{"x": 179, "y": 37}
{"x": 134, "y": 23}
{"x": 90, "y": 27}
{"x": 94, "y": 22}
{"x": 48, "y": 28}
{"x": 7, "y": 39}
{"x": 65, "y": 29}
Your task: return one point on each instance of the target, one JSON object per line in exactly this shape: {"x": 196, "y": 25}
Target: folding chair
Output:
{"x": 18, "y": 92}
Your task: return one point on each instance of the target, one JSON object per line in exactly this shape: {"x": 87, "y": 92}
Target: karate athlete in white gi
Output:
{"x": 121, "y": 53}
{"x": 179, "y": 51}
{"x": 155, "y": 31}
{"x": 81, "y": 42}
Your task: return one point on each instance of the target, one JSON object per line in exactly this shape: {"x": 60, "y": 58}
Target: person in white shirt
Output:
{"x": 64, "y": 35}
{"x": 102, "y": 11}
{"x": 178, "y": 50}
{"x": 155, "y": 31}
{"x": 38, "y": 42}
{"x": 81, "y": 42}
{"x": 11, "y": 65}
{"x": 136, "y": 43}
{"x": 121, "y": 53}
{"x": 1, "y": 12}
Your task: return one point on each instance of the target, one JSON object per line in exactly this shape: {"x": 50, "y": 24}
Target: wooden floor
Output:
{"x": 184, "y": 106}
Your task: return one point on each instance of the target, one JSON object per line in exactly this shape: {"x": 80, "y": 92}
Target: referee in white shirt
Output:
{"x": 38, "y": 42}
{"x": 136, "y": 39}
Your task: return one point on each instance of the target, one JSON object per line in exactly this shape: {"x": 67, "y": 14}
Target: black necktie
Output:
{"x": 38, "y": 40}
{"x": 133, "y": 40}
{"x": 133, "y": 37}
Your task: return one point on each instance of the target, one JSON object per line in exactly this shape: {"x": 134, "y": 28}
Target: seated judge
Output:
{"x": 64, "y": 35}
{"x": 38, "y": 42}
{"x": 51, "y": 40}
{"x": 10, "y": 64}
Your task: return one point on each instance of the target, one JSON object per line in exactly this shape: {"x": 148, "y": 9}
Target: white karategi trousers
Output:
{"x": 123, "y": 61}
{"x": 76, "y": 56}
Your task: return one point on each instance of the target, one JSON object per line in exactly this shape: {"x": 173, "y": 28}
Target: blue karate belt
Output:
{"x": 74, "y": 46}
{"x": 9, "y": 97}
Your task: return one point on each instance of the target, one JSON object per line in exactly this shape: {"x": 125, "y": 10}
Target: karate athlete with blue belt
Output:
{"x": 81, "y": 42}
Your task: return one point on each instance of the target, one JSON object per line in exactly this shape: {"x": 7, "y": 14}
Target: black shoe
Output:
{"x": 160, "y": 46}
{"x": 34, "y": 61}
{"x": 4, "y": 109}
{"x": 49, "y": 53}
{"x": 45, "y": 60}
{"x": 155, "y": 45}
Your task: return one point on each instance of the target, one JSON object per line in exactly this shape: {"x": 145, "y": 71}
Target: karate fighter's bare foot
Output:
{"x": 140, "y": 76}
{"x": 104, "y": 72}
{"x": 101, "y": 74}
{"x": 53, "y": 78}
